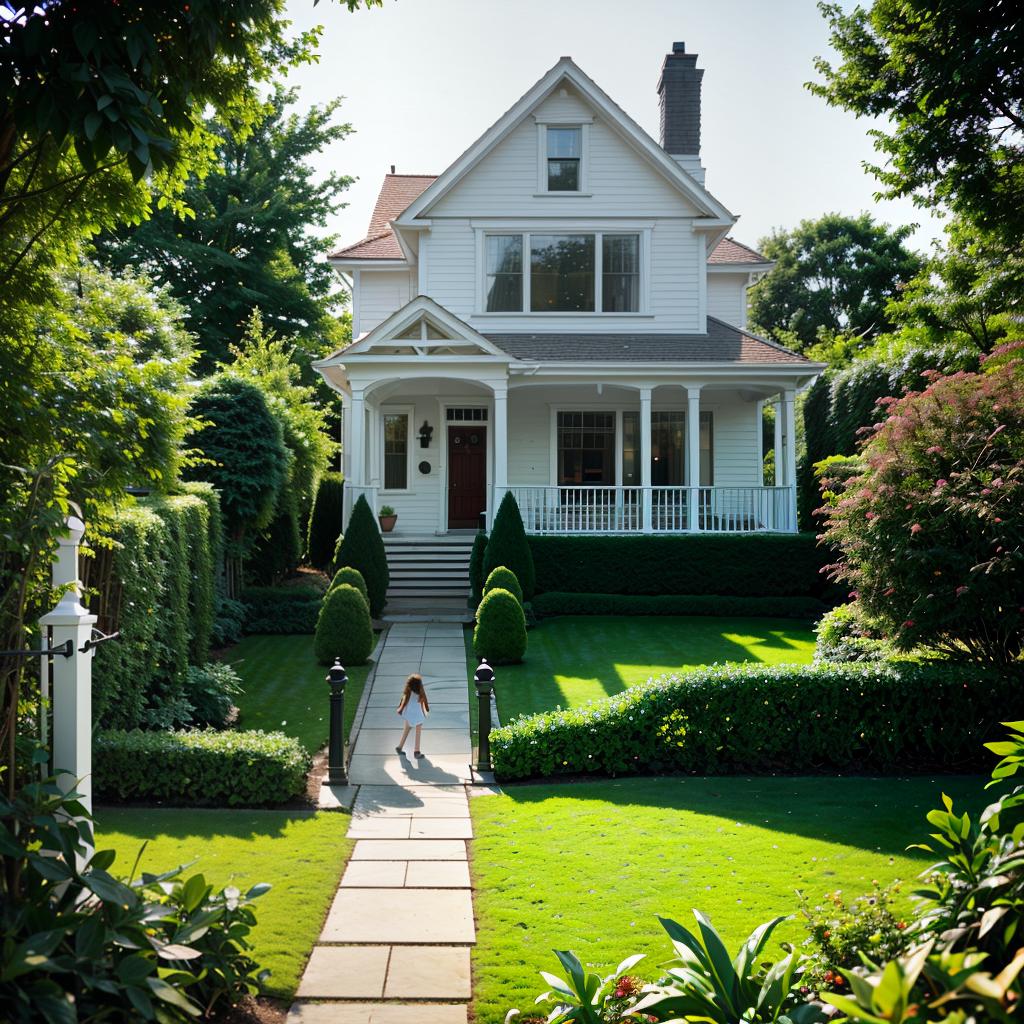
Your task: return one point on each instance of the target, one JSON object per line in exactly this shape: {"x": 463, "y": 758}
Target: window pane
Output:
{"x": 504, "y": 256}
{"x": 564, "y": 142}
{"x": 668, "y": 431}
{"x": 707, "y": 471}
{"x": 562, "y": 273}
{"x": 620, "y": 280}
{"x": 563, "y": 175}
{"x": 586, "y": 448}
{"x": 396, "y": 452}
{"x": 631, "y": 449}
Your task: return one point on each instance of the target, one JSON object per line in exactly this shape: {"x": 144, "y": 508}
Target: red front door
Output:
{"x": 467, "y": 476}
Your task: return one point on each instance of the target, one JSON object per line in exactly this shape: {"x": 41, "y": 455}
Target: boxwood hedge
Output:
{"x": 557, "y": 603}
{"x": 772, "y": 565}
{"x": 290, "y": 610}
{"x": 787, "y": 719}
{"x": 199, "y": 767}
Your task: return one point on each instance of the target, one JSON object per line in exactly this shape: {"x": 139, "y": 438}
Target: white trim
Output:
{"x": 355, "y": 263}
{"x": 409, "y": 412}
{"x": 356, "y": 289}
{"x": 616, "y": 118}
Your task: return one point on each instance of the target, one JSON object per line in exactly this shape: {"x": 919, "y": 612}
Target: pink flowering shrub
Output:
{"x": 931, "y": 533}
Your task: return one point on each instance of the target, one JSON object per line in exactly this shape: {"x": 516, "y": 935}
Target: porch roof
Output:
{"x": 721, "y": 343}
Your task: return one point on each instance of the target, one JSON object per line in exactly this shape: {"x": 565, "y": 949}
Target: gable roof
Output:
{"x": 380, "y": 243}
{"x": 722, "y": 343}
{"x": 729, "y": 250}
{"x": 567, "y": 69}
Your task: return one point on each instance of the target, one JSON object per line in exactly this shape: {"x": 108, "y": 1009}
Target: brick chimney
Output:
{"x": 679, "y": 97}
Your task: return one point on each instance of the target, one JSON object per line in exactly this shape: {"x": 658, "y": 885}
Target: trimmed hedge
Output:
{"x": 343, "y": 629}
{"x": 476, "y": 568}
{"x": 325, "y": 519}
{"x": 508, "y": 545}
{"x": 500, "y": 634}
{"x": 283, "y": 610}
{"x": 772, "y": 565}
{"x": 199, "y": 767}
{"x": 787, "y": 719}
{"x": 504, "y": 578}
{"x": 354, "y": 578}
{"x": 558, "y": 603}
{"x": 362, "y": 548}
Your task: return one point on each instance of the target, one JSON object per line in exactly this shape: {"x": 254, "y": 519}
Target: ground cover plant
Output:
{"x": 300, "y": 853}
{"x": 627, "y": 850}
{"x": 576, "y": 659}
{"x": 284, "y": 688}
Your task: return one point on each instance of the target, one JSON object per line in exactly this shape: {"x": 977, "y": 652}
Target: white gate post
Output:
{"x": 72, "y": 676}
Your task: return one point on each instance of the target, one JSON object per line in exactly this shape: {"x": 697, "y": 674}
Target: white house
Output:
{"x": 561, "y": 314}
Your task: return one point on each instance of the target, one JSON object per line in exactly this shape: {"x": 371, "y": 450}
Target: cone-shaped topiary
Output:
{"x": 504, "y": 578}
{"x": 343, "y": 629}
{"x": 362, "y": 548}
{"x": 476, "y": 567}
{"x": 325, "y": 520}
{"x": 354, "y": 578}
{"x": 500, "y": 634}
{"x": 508, "y": 546}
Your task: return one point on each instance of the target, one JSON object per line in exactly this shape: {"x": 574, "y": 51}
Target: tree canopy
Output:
{"x": 949, "y": 79}
{"x": 835, "y": 274}
{"x": 247, "y": 237}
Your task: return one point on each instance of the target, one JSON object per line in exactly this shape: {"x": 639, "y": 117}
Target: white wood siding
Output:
{"x": 621, "y": 182}
{"x": 734, "y": 439}
{"x": 381, "y": 292}
{"x": 727, "y": 298}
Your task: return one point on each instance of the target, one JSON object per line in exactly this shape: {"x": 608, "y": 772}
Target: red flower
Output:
{"x": 916, "y": 528}
{"x": 908, "y": 623}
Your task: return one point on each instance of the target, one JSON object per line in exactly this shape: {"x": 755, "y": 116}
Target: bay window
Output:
{"x": 566, "y": 273}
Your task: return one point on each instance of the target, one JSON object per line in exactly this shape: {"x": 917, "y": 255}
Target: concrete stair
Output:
{"x": 428, "y": 567}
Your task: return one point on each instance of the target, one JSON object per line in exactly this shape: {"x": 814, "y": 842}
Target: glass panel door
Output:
{"x": 668, "y": 436}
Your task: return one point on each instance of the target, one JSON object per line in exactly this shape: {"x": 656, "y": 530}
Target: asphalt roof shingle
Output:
{"x": 397, "y": 192}
{"x": 729, "y": 250}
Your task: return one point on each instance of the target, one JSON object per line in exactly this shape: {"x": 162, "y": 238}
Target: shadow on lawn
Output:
{"x": 183, "y": 823}
{"x": 878, "y": 814}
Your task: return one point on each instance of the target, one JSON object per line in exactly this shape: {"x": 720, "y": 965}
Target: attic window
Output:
{"x": 564, "y": 153}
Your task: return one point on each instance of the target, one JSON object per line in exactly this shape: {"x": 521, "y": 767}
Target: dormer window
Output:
{"x": 564, "y": 154}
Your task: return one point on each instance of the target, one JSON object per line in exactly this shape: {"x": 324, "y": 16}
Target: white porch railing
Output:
{"x": 596, "y": 510}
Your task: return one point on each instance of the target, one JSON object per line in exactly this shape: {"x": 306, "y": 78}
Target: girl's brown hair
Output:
{"x": 414, "y": 685}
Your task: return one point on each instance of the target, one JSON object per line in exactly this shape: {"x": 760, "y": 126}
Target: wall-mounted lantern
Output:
{"x": 426, "y": 432}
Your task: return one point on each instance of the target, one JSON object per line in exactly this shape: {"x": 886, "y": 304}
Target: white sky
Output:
{"x": 424, "y": 78}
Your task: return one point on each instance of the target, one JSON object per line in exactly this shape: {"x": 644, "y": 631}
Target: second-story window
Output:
{"x": 561, "y": 273}
{"x": 565, "y": 150}
{"x": 620, "y": 267}
{"x": 504, "y": 273}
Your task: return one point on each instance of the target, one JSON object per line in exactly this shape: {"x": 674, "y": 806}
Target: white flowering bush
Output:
{"x": 793, "y": 719}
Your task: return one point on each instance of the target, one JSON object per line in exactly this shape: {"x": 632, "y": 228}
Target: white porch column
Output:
{"x": 759, "y": 444}
{"x": 789, "y": 434}
{"x": 645, "y": 457}
{"x": 780, "y": 461}
{"x": 693, "y": 458}
{"x": 357, "y": 438}
{"x": 72, "y": 677}
{"x": 500, "y": 472}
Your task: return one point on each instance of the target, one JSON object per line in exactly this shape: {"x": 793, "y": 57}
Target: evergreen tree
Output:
{"x": 362, "y": 548}
{"x": 509, "y": 547}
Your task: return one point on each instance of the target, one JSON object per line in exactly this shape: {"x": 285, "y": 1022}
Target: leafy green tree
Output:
{"x": 834, "y": 274}
{"x": 947, "y": 76}
{"x": 252, "y": 234}
{"x": 243, "y": 454}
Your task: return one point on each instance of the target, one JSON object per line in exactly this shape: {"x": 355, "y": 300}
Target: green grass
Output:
{"x": 300, "y": 853}
{"x": 285, "y": 689}
{"x": 573, "y": 659}
{"x": 586, "y": 866}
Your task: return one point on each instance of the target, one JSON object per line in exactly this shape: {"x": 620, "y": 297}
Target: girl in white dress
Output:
{"x": 414, "y": 708}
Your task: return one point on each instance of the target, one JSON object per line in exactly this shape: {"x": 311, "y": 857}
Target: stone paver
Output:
{"x": 401, "y": 926}
{"x": 401, "y": 916}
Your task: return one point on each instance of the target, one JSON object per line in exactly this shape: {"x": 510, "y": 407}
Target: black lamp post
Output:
{"x": 483, "y": 678}
{"x": 337, "y": 677}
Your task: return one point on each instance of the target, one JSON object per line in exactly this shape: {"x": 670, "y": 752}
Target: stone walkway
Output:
{"x": 396, "y": 945}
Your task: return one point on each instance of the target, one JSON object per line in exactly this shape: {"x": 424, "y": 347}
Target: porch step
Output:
{"x": 429, "y": 567}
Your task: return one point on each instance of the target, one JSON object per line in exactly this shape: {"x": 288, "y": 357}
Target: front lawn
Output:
{"x": 285, "y": 689}
{"x": 300, "y": 853}
{"x": 586, "y": 866}
{"x": 573, "y": 659}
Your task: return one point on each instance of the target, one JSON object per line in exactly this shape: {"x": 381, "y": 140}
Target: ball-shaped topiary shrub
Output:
{"x": 354, "y": 578}
{"x": 508, "y": 546}
{"x": 476, "y": 567}
{"x": 500, "y": 634}
{"x": 504, "y": 578}
{"x": 325, "y": 520}
{"x": 362, "y": 548}
{"x": 343, "y": 629}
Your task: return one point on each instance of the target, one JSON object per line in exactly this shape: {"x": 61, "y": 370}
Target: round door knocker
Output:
{"x": 457, "y": 439}
{"x": 424, "y": 468}
{"x": 474, "y": 438}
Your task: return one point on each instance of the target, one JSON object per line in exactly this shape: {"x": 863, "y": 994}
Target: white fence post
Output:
{"x": 72, "y": 676}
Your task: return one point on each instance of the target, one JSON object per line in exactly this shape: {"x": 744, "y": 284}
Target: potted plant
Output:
{"x": 387, "y": 517}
